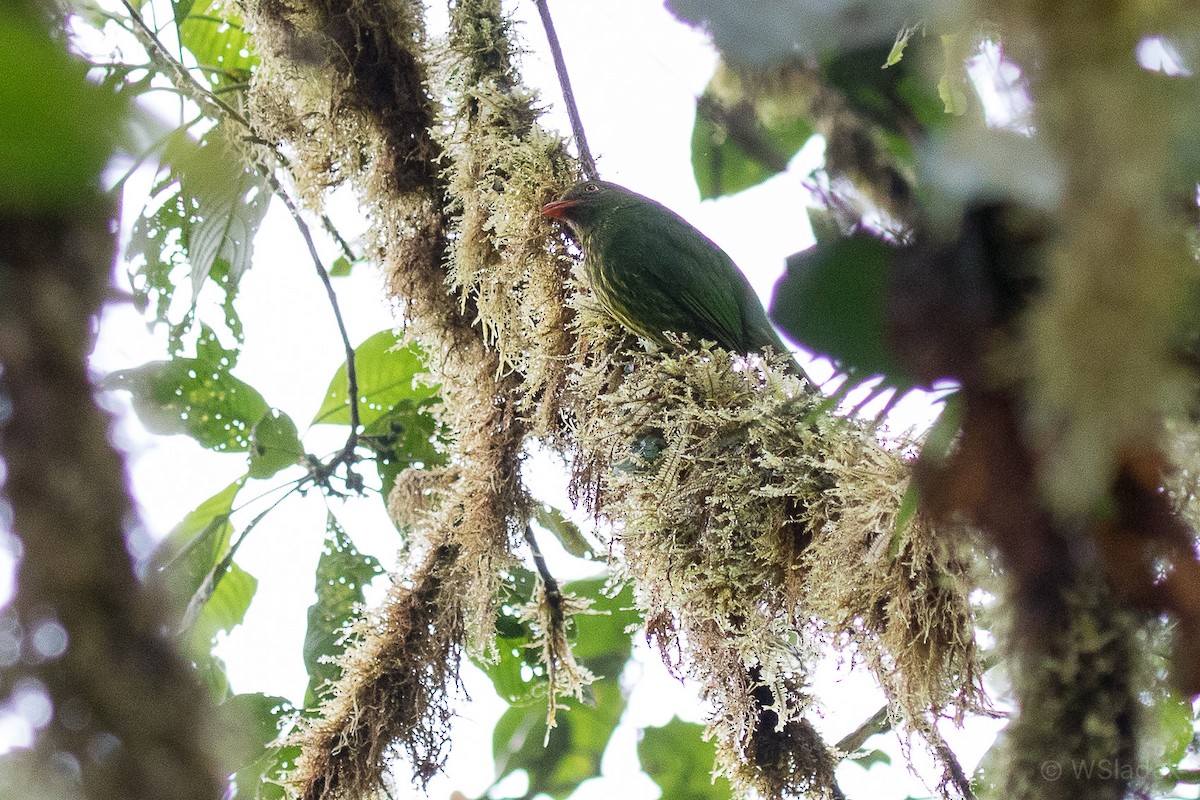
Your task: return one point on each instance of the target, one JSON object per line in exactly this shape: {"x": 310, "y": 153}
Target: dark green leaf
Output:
{"x": 898, "y": 100}
{"x": 57, "y": 129}
{"x": 403, "y": 438}
{"x": 262, "y": 762}
{"x": 869, "y": 758}
{"x": 567, "y": 532}
{"x": 386, "y": 377}
{"x": 274, "y": 444}
{"x": 738, "y": 140}
{"x": 602, "y": 643}
{"x": 197, "y": 396}
{"x": 678, "y": 759}
{"x": 574, "y": 750}
{"x": 831, "y": 300}
{"x": 263, "y": 779}
{"x": 342, "y": 573}
{"x": 194, "y": 547}
{"x": 516, "y": 674}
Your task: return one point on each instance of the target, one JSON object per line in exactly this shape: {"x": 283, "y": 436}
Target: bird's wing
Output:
{"x": 690, "y": 271}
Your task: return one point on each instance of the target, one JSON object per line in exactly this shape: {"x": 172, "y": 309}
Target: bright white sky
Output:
{"x": 636, "y": 73}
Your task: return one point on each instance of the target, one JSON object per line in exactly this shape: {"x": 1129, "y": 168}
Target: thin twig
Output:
{"x": 351, "y": 372}
{"x": 553, "y": 593}
{"x": 560, "y": 66}
{"x": 958, "y": 776}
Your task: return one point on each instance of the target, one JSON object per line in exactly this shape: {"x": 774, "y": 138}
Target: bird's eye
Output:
{"x": 591, "y": 187}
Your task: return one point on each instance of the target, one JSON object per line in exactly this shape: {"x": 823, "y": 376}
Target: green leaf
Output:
{"x": 342, "y": 573}
{"x": 898, "y": 46}
{"x": 258, "y": 720}
{"x": 57, "y": 129}
{"x": 516, "y": 674}
{"x": 341, "y": 267}
{"x": 274, "y": 444}
{"x": 194, "y": 547}
{"x": 566, "y": 531}
{"x": 386, "y": 378}
{"x": 869, "y": 758}
{"x": 602, "y": 642}
{"x": 197, "y": 396}
{"x": 897, "y": 99}
{"x": 216, "y": 37}
{"x": 1175, "y": 727}
{"x": 952, "y": 85}
{"x": 229, "y": 201}
{"x": 576, "y": 745}
{"x": 832, "y": 299}
{"x": 678, "y": 759}
{"x": 199, "y": 225}
{"x": 406, "y": 437}
{"x": 220, "y": 606}
{"x": 739, "y": 140}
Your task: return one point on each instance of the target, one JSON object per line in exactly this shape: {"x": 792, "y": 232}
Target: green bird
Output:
{"x": 654, "y": 272}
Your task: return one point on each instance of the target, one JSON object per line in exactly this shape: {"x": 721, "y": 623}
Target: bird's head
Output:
{"x": 584, "y": 203}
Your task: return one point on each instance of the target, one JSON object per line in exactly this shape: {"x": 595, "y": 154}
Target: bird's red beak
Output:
{"x": 558, "y": 209}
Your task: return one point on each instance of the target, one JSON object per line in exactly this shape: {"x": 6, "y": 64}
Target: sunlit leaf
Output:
{"x": 198, "y": 228}
{"x": 387, "y": 376}
{"x": 678, "y": 759}
{"x": 215, "y": 36}
{"x": 224, "y": 607}
{"x": 342, "y": 573}
{"x": 195, "y": 546}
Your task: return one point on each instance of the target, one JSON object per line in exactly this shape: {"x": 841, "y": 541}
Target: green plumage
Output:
{"x": 654, "y": 272}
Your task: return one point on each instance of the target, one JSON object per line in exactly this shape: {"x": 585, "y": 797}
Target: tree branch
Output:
{"x": 560, "y": 66}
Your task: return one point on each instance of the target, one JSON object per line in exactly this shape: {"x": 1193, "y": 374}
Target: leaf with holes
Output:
{"x": 342, "y": 573}
{"x": 200, "y": 224}
{"x": 197, "y": 396}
